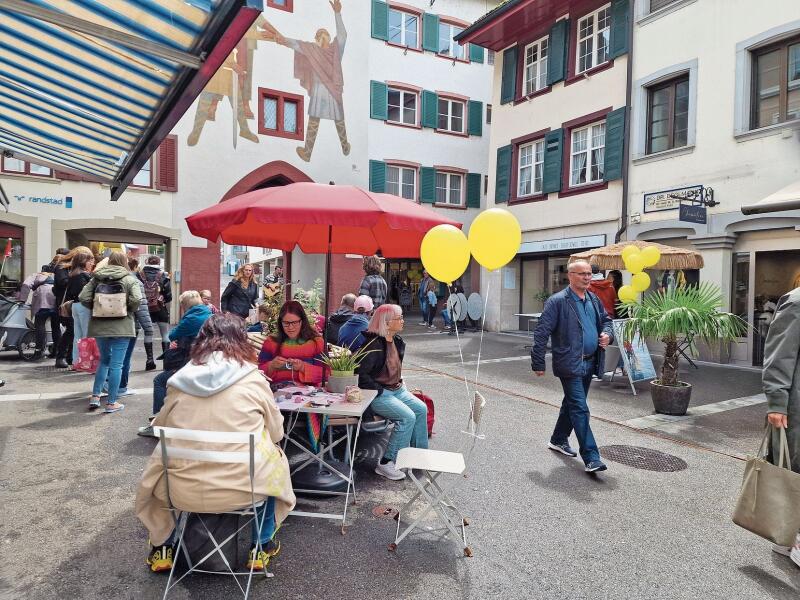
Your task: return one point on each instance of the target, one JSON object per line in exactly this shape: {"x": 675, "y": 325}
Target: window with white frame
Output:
{"x": 587, "y": 154}
{"x": 403, "y": 28}
{"x": 451, "y": 115}
{"x": 535, "y": 73}
{"x": 531, "y": 165}
{"x": 490, "y": 57}
{"x": 447, "y": 45}
{"x": 144, "y": 178}
{"x": 401, "y": 181}
{"x": 776, "y": 89}
{"x": 594, "y": 32}
{"x": 22, "y": 167}
{"x": 402, "y": 106}
{"x": 448, "y": 188}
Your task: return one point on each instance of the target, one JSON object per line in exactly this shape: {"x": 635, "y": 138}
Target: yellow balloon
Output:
{"x": 634, "y": 264}
{"x": 650, "y": 255}
{"x": 626, "y": 294}
{"x": 640, "y": 282}
{"x": 494, "y": 238}
{"x": 628, "y": 251}
{"x": 445, "y": 253}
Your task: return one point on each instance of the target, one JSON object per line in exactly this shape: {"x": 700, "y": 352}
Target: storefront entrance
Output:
{"x": 11, "y": 275}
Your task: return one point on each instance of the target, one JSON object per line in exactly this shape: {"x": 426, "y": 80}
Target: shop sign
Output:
{"x": 692, "y": 213}
{"x": 66, "y": 201}
{"x": 668, "y": 199}
{"x": 564, "y": 244}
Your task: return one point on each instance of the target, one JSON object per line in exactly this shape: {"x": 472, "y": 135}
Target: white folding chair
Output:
{"x": 432, "y": 464}
{"x": 219, "y": 439}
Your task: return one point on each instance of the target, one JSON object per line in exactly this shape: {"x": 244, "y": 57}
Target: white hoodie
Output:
{"x": 217, "y": 374}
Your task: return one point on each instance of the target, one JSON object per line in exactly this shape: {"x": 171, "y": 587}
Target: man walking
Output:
{"x": 579, "y": 328}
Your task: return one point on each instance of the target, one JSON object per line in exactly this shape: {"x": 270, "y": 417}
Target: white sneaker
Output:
{"x": 782, "y": 550}
{"x": 795, "y": 553}
{"x": 125, "y": 392}
{"x": 390, "y": 471}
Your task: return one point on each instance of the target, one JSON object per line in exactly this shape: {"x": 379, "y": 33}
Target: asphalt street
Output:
{"x": 539, "y": 526}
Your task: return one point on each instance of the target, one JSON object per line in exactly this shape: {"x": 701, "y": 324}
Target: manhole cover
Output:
{"x": 643, "y": 458}
{"x": 384, "y": 512}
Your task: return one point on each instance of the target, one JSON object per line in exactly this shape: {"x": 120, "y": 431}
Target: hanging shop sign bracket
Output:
{"x": 694, "y": 203}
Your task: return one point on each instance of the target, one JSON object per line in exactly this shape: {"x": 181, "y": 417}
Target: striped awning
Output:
{"x": 94, "y": 86}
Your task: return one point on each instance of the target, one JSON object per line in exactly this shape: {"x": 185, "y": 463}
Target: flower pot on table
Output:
{"x": 339, "y": 380}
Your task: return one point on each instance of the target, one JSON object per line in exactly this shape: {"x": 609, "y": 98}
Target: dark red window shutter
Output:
{"x": 168, "y": 164}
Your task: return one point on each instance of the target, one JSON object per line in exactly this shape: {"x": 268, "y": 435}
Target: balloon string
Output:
{"x": 483, "y": 326}
{"x": 460, "y": 353}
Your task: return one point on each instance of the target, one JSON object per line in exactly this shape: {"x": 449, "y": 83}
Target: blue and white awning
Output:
{"x": 93, "y": 86}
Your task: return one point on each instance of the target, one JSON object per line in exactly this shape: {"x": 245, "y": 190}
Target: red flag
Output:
{"x": 7, "y": 253}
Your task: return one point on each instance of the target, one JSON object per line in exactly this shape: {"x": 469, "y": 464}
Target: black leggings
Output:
{"x": 64, "y": 348}
{"x": 39, "y": 322}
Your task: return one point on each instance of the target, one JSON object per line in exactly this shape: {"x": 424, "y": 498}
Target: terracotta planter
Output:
{"x": 339, "y": 380}
{"x": 670, "y": 399}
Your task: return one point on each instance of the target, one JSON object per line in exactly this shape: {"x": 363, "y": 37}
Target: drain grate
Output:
{"x": 643, "y": 458}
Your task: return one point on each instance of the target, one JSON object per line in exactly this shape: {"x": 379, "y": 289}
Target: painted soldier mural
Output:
{"x": 318, "y": 67}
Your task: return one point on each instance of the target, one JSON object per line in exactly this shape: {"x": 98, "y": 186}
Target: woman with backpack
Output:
{"x": 113, "y": 295}
{"x": 158, "y": 292}
{"x": 241, "y": 294}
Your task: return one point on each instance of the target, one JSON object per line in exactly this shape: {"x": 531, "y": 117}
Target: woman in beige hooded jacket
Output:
{"x": 220, "y": 389}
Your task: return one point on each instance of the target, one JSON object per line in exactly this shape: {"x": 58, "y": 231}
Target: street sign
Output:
{"x": 668, "y": 199}
{"x": 692, "y": 213}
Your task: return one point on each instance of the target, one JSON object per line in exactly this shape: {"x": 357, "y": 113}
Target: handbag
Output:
{"x": 431, "y": 410}
{"x": 769, "y": 501}
{"x": 65, "y": 310}
{"x": 110, "y": 300}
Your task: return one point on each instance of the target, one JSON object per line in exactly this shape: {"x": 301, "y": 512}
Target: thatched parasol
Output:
{"x": 610, "y": 257}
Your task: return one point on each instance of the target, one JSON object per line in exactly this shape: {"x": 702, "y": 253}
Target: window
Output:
{"x": 448, "y": 188}
{"x": 280, "y": 114}
{"x": 776, "y": 89}
{"x": 594, "y": 31}
{"x": 447, "y": 45}
{"x": 668, "y": 115}
{"x": 659, "y": 4}
{"x": 402, "y": 106}
{"x": 531, "y": 166}
{"x": 535, "y": 69}
{"x": 488, "y": 114}
{"x": 490, "y": 57}
{"x": 451, "y": 116}
{"x": 144, "y": 178}
{"x": 403, "y": 28}
{"x": 286, "y": 5}
{"x": 22, "y": 167}
{"x": 401, "y": 181}
{"x": 586, "y": 154}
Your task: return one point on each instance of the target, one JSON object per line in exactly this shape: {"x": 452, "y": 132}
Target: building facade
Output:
{"x": 719, "y": 107}
{"x": 557, "y": 141}
{"x": 371, "y": 94}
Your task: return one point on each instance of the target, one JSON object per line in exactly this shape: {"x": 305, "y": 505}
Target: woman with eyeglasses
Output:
{"x": 293, "y": 353}
{"x": 381, "y": 370}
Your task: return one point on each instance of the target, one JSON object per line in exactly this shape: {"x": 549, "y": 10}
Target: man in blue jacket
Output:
{"x": 579, "y": 329}
{"x": 350, "y": 333}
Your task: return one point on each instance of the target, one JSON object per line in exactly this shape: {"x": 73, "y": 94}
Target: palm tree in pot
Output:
{"x": 670, "y": 316}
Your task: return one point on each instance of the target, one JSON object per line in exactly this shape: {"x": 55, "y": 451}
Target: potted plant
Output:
{"x": 343, "y": 363}
{"x": 670, "y": 316}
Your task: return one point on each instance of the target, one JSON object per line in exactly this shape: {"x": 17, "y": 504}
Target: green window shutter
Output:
{"x": 473, "y": 190}
{"x": 615, "y": 144}
{"x": 508, "y": 87}
{"x": 475, "y": 117}
{"x": 378, "y": 100}
{"x": 430, "y": 102}
{"x": 427, "y": 185}
{"x": 377, "y": 176}
{"x": 380, "y": 20}
{"x": 553, "y": 155}
{"x": 620, "y": 13}
{"x": 430, "y": 32}
{"x": 502, "y": 182}
{"x": 557, "y": 49}
{"x": 475, "y": 53}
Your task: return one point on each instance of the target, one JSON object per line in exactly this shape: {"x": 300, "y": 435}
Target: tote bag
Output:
{"x": 769, "y": 501}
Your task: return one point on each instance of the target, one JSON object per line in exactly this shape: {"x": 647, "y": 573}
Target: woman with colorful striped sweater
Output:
{"x": 293, "y": 353}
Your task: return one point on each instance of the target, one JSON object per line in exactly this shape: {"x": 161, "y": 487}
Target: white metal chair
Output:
{"x": 218, "y": 438}
{"x": 432, "y": 464}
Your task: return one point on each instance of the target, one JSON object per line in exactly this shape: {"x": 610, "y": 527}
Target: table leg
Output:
{"x": 352, "y": 456}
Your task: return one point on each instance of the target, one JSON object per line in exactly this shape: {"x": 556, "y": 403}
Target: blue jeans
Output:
{"x": 574, "y": 414}
{"x": 410, "y": 417}
{"x": 112, "y": 355}
{"x": 126, "y": 364}
{"x": 265, "y": 513}
{"x": 423, "y": 305}
{"x": 80, "y": 316}
{"x": 160, "y": 389}
{"x": 446, "y": 317}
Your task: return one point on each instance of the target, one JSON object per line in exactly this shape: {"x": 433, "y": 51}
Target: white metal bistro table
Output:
{"x": 338, "y": 409}
{"x": 532, "y": 317}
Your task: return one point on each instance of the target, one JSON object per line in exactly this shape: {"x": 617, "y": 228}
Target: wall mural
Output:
{"x": 318, "y": 67}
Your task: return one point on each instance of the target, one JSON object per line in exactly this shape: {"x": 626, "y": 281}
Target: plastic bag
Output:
{"x": 88, "y": 355}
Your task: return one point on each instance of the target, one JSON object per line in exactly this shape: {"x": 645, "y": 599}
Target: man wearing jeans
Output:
{"x": 579, "y": 329}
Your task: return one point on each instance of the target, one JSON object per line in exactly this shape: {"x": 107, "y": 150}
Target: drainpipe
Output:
{"x": 626, "y": 154}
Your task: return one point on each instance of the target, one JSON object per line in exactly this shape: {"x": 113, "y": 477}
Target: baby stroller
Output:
{"x": 16, "y": 330}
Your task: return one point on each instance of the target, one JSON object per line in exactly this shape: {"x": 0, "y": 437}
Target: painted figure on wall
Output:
{"x": 318, "y": 67}
{"x": 233, "y": 80}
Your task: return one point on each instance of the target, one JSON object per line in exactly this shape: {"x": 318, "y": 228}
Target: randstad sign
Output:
{"x": 66, "y": 202}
